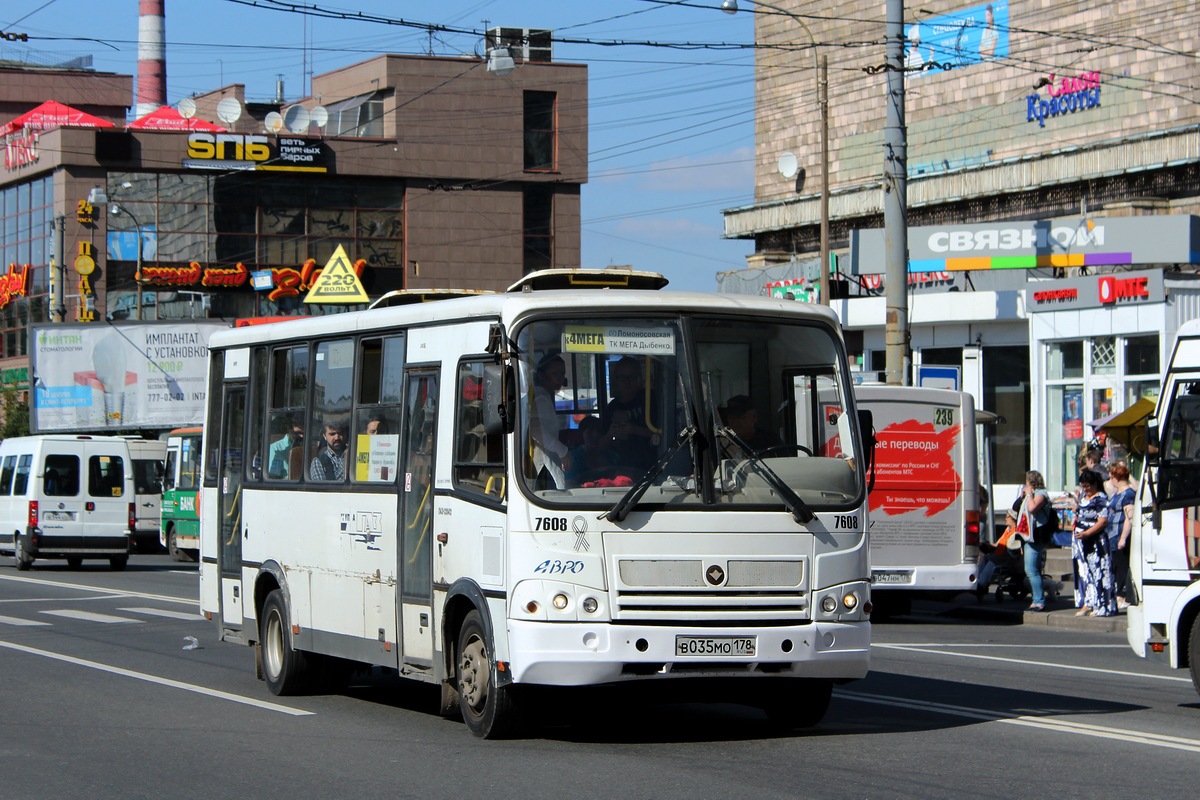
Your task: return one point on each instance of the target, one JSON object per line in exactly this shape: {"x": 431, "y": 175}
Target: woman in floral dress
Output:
{"x": 1095, "y": 592}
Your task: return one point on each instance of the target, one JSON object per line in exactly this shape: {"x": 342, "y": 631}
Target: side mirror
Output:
{"x": 1152, "y": 443}
{"x": 499, "y": 399}
{"x": 866, "y": 428}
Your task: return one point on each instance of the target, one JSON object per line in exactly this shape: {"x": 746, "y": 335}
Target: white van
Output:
{"x": 148, "y": 456}
{"x": 66, "y": 497}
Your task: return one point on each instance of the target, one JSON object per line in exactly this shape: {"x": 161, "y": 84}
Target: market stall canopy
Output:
{"x": 166, "y": 118}
{"x": 1128, "y": 426}
{"x": 53, "y": 114}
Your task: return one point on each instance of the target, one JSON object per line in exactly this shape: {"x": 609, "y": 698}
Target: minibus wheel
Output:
{"x": 489, "y": 711}
{"x": 284, "y": 668}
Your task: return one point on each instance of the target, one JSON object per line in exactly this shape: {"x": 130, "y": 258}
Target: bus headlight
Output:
{"x": 850, "y": 601}
{"x": 560, "y": 601}
{"x": 828, "y": 604}
{"x": 590, "y": 605}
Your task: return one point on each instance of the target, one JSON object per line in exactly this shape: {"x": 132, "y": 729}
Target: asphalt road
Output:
{"x": 98, "y": 698}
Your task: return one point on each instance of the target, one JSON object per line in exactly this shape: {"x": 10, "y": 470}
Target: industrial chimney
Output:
{"x": 152, "y": 56}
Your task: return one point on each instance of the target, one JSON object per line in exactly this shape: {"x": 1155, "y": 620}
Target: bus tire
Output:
{"x": 173, "y": 545}
{"x": 284, "y": 668}
{"x": 799, "y": 703}
{"x": 21, "y": 561}
{"x": 118, "y": 563}
{"x": 1193, "y": 651}
{"x": 489, "y": 711}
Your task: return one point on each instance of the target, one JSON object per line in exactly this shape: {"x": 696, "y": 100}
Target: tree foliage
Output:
{"x": 16, "y": 412}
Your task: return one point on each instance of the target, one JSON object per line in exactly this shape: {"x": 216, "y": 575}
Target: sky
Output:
{"x": 671, "y": 127}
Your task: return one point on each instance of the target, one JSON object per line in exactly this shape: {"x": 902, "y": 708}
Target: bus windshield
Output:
{"x": 692, "y": 410}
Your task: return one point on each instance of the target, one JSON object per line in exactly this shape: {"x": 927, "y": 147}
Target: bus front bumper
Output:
{"x": 581, "y": 654}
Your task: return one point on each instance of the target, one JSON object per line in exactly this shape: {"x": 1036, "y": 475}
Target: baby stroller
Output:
{"x": 1007, "y": 572}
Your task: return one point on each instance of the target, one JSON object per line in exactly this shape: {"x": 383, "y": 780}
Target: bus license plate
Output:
{"x": 58, "y": 516}
{"x": 891, "y": 576}
{"x": 715, "y": 645}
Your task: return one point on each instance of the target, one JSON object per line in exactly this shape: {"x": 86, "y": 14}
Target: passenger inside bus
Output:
{"x": 279, "y": 453}
{"x": 627, "y": 433}
{"x": 329, "y": 464}
{"x": 551, "y": 458}
{"x": 749, "y": 438}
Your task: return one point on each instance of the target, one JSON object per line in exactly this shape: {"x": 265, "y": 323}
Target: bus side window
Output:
{"x": 21, "y": 482}
{"x": 478, "y": 456}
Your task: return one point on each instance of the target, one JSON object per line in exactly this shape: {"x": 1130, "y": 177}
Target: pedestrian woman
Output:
{"x": 1036, "y": 508}
{"x": 1120, "y": 522}
{"x": 1094, "y": 590}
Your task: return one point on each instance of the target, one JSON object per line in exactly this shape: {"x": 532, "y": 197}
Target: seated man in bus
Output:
{"x": 627, "y": 433}
{"x": 329, "y": 464}
{"x": 279, "y": 451}
{"x": 740, "y": 416}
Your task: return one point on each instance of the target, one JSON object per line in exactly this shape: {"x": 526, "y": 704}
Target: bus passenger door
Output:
{"x": 229, "y": 492}
{"x": 417, "y": 498}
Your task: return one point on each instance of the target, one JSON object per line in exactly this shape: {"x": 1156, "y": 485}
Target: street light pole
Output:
{"x": 116, "y": 210}
{"x": 821, "y": 74}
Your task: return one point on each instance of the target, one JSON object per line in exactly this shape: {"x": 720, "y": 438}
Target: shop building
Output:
{"x": 428, "y": 172}
{"x": 1010, "y": 127}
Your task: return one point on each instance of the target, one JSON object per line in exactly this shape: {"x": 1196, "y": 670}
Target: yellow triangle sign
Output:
{"x": 337, "y": 283}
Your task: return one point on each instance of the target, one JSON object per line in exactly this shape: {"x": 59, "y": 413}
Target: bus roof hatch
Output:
{"x": 588, "y": 279}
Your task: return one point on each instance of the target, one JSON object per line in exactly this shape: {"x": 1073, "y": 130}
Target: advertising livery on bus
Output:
{"x": 581, "y": 481}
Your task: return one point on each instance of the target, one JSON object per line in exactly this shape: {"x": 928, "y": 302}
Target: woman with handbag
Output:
{"x": 1036, "y": 510}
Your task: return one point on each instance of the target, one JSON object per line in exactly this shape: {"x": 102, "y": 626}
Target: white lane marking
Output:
{"x": 21, "y": 622}
{"x": 166, "y": 598}
{"x": 88, "y": 616}
{"x": 1005, "y": 646}
{"x": 1028, "y": 663}
{"x": 142, "y": 676}
{"x": 162, "y": 612}
{"x": 1055, "y": 725}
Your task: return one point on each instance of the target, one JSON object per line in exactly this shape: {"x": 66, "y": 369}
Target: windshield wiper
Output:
{"x": 800, "y": 510}
{"x": 630, "y": 499}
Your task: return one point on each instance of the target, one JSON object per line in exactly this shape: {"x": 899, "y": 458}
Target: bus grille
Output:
{"x": 710, "y": 590}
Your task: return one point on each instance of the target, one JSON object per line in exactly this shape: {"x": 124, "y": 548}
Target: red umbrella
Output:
{"x": 166, "y": 118}
{"x": 53, "y": 114}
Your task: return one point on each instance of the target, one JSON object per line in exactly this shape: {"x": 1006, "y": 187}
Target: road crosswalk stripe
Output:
{"x": 21, "y": 622}
{"x": 162, "y": 612}
{"x": 88, "y": 616}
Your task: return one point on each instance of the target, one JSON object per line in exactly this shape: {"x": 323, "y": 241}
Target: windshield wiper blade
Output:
{"x": 630, "y": 499}
{"x": 800, "y": 510}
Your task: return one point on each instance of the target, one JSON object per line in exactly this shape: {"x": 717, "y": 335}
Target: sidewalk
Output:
{"x": 1058, "y": 614}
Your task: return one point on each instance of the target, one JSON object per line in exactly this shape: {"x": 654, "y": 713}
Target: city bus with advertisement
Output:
{"x": 179, "y": 523}
{"x": 925, "y": 497}
{"x": 541, "y": 488}
{"x": 1164, "y": 547}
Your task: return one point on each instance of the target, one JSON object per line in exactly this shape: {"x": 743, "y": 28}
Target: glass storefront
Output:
{"x": 1086, "y": 380}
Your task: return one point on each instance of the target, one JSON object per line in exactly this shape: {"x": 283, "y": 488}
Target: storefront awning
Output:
{"x": 53, "y": 114}
{"x": 166, "y": 118}
{"x": 1128, "y": 426}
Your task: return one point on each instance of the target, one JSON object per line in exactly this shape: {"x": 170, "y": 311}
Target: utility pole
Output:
{"x": 895, "y": 203}
{"x": 58, "y": 269}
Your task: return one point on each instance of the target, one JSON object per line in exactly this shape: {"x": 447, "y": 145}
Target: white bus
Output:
{"x": 924, "y": 500}
{"x": 541, "y": 491}
{"x": 1164, "y": 548}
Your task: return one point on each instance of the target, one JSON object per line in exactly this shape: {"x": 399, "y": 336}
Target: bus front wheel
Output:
{"x": 489, "y": 711}
{"x": 173, "y": 545}
{"x": 284, "y": 668}
{"x": 1194, "y": 652}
